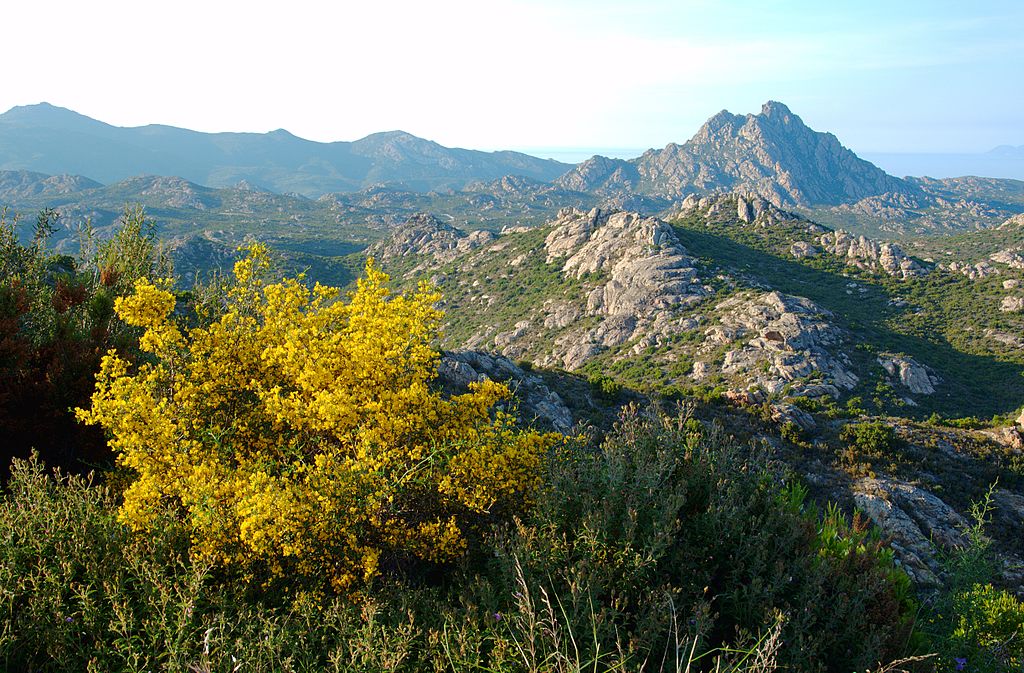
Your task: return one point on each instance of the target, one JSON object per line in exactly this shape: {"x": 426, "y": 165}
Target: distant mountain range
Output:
{"x": 53, "y": 140}
{"x": 276, "y": 184}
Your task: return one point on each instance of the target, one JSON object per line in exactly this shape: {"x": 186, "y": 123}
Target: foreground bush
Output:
{"x": 297, "y": 435}
{"x": 56, "y": 321}
{"x": 648, "y": 555}
{"x": 669, "y": 531}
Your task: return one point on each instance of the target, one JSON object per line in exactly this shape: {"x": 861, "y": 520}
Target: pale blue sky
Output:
{"x": 889, "y": 76}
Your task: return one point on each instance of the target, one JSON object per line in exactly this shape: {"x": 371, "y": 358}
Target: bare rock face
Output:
{"x": 972, "y": 271}
{"x": 1015, "y": 221}
{"x": 1011, "y": 257}
{"x": 909, "y": 373}
{"x": 864, "y": 253}
{"x": 778, "y": 339}
{"x": 803, "y": 250}
{"x": 915, "y": 519}
{"x": 742, "y": 207}
{"x": 1010, "y": 437}
{"x": 1012, "y": 304}
{"x": 644, "y": 274}
{"x": 772, "y": 154}
{"x": 537, "y": 403}
{"x": 784, "y": 412}
{"x": 425, "y": 235}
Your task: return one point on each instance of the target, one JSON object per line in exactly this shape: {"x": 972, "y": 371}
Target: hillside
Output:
{"x": 730, "y": 293}
{"x": 779, "y": 329}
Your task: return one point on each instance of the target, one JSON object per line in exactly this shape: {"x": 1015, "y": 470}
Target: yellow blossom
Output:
{"x": 301, "y": 433}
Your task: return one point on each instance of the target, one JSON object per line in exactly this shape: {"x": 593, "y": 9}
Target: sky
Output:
{"x": 892, "y": 76}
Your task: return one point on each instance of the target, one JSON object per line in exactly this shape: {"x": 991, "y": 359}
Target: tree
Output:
{"x": 299, "y": 433}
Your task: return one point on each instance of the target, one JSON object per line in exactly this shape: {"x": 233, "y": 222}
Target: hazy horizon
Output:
{"x": 913, "y": 77}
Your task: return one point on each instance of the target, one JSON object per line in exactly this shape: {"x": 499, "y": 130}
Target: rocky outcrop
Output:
{"x": 601, "y": 175}
{"x": 740, "y": 207}
{"x": 17, "y": 185}
{"x": 1015, "y": 221}
{"x": 915, "y": 520}
{"x": 1011, "y": 257}
{"x": 909, "y": 373}
{"x": 803, "y": 250}
{"x": 972, "y": 271}
{"x": 426, "y": 236}
{"x": 639, "y": 274}
{"x": 864, "y": 253}
{"x": 774, "y": 340}
{"x": 537, "y": 404}
{"x": 1012, "y": 304}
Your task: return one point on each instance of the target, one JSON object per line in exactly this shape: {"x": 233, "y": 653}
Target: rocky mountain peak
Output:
{"x": 775, "y": 110}
{"x": 772, "y": 154}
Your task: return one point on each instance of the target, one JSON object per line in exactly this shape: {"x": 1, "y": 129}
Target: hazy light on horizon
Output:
{"x": 884, "y": 77}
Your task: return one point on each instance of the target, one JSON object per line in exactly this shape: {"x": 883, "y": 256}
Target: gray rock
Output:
{"x": 536, "y": 402}
{"x": 909, "y": 373}
{"x": 864, "y": 253}
{"x": 1012, "y": 257}
{"x": 642, "y": 276}
{"x": 426, "y": 236}
{"x": 915, "y": 519}
{"x": 779, "y": 339}
{"x": 1012, "y": 304}
{"x": 803, "y": 250}
{"x": 784, "y": 412}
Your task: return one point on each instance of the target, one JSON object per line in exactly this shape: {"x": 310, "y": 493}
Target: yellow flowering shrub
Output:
{"x": 299, "y": 432}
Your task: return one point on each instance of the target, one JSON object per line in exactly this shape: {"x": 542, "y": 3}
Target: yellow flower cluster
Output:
{"x": 300, "y": 433}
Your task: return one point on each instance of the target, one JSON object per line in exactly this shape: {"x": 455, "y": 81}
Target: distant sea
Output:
{"x": 574, "y": 155}
{"x": 1002, "y": 162}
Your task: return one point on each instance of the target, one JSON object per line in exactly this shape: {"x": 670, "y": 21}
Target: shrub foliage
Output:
{"x": 297, "y": 434}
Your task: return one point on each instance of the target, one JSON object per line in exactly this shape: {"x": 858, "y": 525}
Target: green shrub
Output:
{"x": 56, "y": 322}
{"x": 666, "y": 544}
{"x": 873, "y": 438}
{"x": 666, "y": 526}
{"x": 975, "y": 626}
{"x": 605, "y": 386}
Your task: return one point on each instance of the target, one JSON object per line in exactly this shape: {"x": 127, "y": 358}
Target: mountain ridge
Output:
{"x": 49, "y": 139}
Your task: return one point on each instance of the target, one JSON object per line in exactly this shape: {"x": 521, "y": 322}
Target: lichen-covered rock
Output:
{"x": 915, "y": 520}
{"x": 909, "y": 373}
{"x": 864, "y": 253}
{"x": 536, "y": 402}
{"x": 778, "y": 339}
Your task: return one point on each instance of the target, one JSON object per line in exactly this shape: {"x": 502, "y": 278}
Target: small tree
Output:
{"x": 299, "y": 433}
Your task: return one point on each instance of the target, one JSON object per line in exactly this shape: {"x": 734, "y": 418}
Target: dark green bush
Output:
{"x": 873, "y": 438}
{"x": 664, "y": 526}
{"x": 665, "y": 543}
{"x": 56, "y": 322}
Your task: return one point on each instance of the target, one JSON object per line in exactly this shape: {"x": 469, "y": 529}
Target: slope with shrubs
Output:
{"x": 294, "y": 494}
